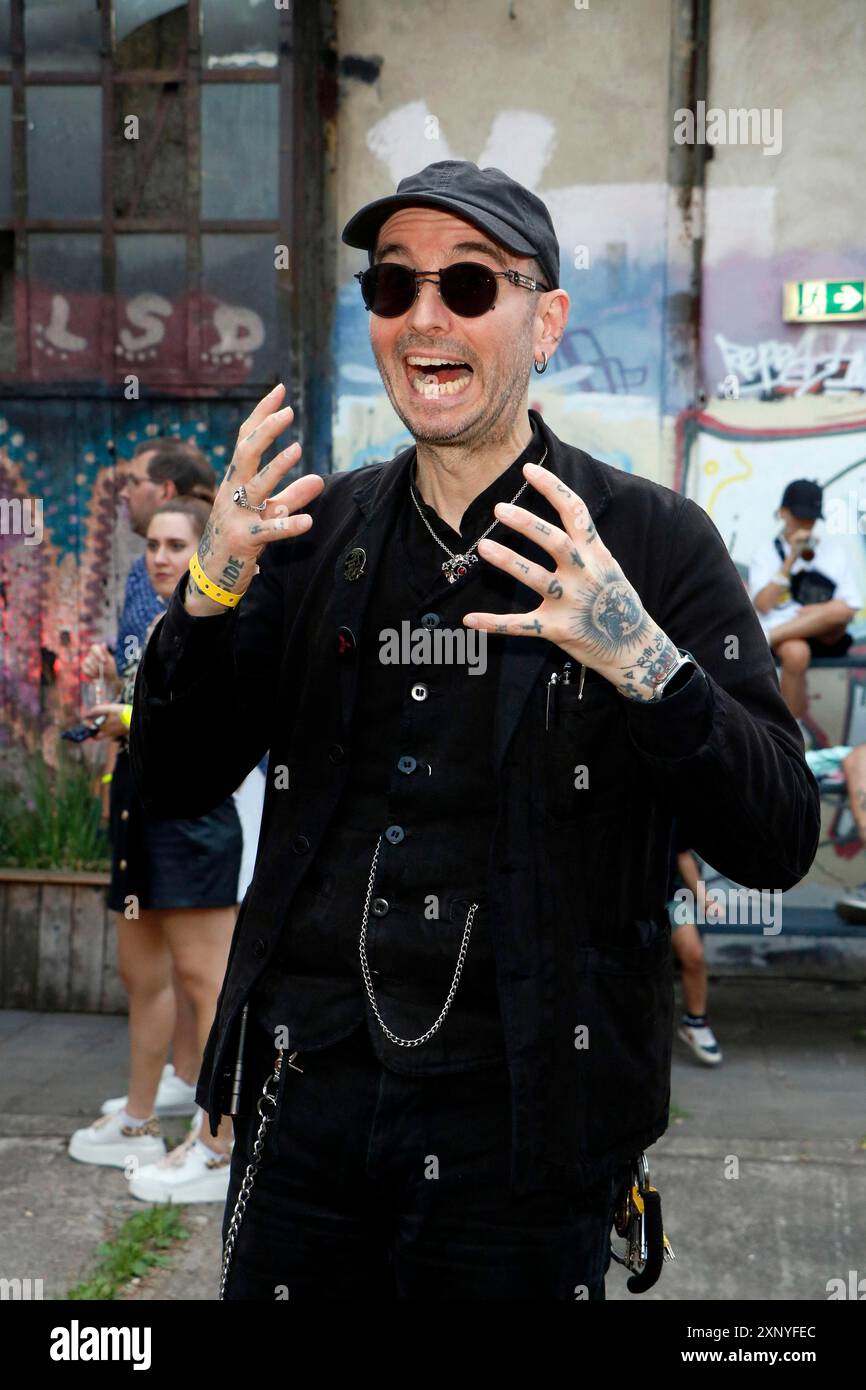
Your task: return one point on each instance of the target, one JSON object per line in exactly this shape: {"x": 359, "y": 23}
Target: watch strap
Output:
{"x": 684, "y": 660}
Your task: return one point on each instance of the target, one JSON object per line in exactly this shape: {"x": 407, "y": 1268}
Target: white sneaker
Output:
{"x": 114, "y": 1145}
{"x": 851, "y": 907}
{"x": 184, "y": 1175}
{"x": 174, "y": 1096}
{"x": 703, "y": 1043}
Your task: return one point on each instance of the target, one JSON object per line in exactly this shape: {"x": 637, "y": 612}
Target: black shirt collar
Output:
{"x": 479, "y": 513}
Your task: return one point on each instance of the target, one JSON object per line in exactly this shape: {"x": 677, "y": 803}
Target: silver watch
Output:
{"x": 684, "y": 658}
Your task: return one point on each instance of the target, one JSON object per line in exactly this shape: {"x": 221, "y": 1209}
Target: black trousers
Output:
{"x": 375, "y": 1186}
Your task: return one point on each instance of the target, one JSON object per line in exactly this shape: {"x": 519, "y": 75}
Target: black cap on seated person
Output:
{"x": 804, "y": 498}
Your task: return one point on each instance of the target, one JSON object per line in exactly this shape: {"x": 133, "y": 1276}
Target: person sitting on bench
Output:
{"x": 830, "y": 766}
{"x": 805, "y": 591}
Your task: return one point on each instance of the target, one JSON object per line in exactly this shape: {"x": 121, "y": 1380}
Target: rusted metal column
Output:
{"x": 689, "y": 49}
{"x": 308, "y": 143}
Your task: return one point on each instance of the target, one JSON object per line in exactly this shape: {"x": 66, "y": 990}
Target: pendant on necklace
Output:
{"x": 458, "y": 567}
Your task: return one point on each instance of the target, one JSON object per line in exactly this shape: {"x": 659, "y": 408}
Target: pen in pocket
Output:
{"x": 554, "y": 681}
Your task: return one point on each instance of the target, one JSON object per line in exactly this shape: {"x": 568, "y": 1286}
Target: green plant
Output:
{"x": 139, "y": 1244}
{"x": 53, "y": 822}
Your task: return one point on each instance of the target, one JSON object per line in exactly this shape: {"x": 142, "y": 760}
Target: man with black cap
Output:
{"x": 804, "y": 589}
{"x": 450, "y": 985}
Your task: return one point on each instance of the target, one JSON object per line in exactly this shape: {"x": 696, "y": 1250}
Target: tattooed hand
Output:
{"x": 589, "y": 608}
{"x": 234, "y": 536}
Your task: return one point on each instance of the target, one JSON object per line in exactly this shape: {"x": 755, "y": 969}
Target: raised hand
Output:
{"x": 234, "y": 536}
{"x": 589, "y": 608}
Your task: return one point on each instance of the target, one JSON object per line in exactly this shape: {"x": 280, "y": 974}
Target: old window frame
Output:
{"x": 190, "y": 379}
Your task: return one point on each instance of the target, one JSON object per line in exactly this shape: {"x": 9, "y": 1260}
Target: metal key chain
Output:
{"x": 266, "y": 1106}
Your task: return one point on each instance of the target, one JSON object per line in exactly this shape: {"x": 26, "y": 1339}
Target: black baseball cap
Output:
{"x": 487, "y": 198}
{"x": 804, "y": 498}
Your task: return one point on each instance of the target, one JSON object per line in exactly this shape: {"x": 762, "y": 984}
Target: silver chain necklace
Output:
{"x": 458, "y": 565}
{"x": 368, "y": 983}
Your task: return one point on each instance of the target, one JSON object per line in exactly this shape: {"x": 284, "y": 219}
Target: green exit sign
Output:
{"x": 823, "y": 301}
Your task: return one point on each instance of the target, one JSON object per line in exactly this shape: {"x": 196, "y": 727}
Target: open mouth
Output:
{"x": 432, "y": 377}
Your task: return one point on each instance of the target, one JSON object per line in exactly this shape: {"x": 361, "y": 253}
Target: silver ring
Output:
{"x": 239, "y": 496}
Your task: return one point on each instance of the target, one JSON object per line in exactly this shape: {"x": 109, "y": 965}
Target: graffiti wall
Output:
{"x": 65, "y": 548}
{"x": 602, "y": 387}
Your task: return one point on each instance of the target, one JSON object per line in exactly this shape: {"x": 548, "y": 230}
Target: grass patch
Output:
{"x": 676, "y": 1113}
{"x": 140, "y": 1244}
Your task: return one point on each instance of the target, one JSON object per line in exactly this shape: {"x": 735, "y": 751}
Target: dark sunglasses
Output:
{"x": 468, "y": 288}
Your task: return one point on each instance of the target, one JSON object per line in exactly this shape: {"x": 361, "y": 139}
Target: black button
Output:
{"x": 430, "y": 620}
{"x": 336, "y": 752}
{"x": 300, "y": 844}
{"x": 345, "y": 641}
{"x": 394, "y": 834}
{"x": 380, "y": 907}
{"x": 419, "y": 691}
{"x": 407, "y": 764}
{"x": 259, "y": 948}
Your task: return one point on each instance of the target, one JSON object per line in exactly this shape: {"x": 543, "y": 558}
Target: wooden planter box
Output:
{"x": 58, "y": 943}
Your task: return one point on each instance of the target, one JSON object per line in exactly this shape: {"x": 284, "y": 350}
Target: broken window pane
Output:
{"x": 150, "y": 34}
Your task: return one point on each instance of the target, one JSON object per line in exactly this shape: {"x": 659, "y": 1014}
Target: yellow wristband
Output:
{"x": 106, "y": 777}
{"x": 126, "y": 715}
{"x": 208, "y": 587}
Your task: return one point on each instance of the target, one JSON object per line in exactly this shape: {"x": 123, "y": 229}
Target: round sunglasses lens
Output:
{"x": 388, "y": 289}
{"x": 468, "y": 289}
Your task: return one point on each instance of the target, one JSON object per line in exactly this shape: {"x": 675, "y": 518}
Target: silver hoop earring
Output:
{"x": 543, "y": 367}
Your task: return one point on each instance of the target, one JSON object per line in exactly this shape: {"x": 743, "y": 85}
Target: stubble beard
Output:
{"x": 492, "y": 418}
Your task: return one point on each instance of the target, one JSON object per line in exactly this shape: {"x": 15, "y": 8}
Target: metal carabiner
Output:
{"x": 639, "y": 1220}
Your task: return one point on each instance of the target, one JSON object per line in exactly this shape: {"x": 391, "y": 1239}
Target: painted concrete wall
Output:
{"x": 800, "y": 214}
{"x": 573, "y": 103}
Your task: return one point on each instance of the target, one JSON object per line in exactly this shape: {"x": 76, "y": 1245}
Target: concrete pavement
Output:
{"x": 785, "y": 1112}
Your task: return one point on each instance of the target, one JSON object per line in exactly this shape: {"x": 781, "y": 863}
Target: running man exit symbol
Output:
{"x": 823, "y": 301}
